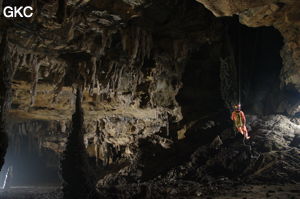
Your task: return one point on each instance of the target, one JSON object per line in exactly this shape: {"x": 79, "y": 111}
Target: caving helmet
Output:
{"x": 237, "y": 107}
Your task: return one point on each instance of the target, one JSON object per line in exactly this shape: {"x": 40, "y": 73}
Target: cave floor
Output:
{"x": 45, "y": 192}
{"x": 288, "y": 191}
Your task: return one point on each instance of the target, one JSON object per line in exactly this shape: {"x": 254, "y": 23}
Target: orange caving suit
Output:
{"x": 240, "y": 122}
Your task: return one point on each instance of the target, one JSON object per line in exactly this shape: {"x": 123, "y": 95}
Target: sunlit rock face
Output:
{"x": 283, "y": 15}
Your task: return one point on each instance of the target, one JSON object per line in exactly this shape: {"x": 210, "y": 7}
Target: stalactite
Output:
{"x": 30, "y": 59}
{"x": 167, "y": 124}
{"x": 59, "y": 81}
{"x": 124, "y": 40}
{"x": 138, "y": 44}
{"x": 24, "y": 55}
{"x": 105, "y": 42}
{"x": 71, "y": 30}
{"x": 35, "y": 78}
{"x": 135, "y": 45}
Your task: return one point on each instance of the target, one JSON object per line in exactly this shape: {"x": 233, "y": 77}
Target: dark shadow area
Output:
{"x": 200, "y": 94}
{"x": 258, "y": 62}
{"x": 30, "y": 165}
{"x": 180, "y": 152}
{"x": 256, "y": 52}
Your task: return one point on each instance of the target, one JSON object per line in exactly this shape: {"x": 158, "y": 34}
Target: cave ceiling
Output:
{"x": 87, "y": 34}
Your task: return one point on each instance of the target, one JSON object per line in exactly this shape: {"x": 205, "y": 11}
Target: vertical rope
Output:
{"x": 255, "y": 48}
{"x": 239, "y": 63}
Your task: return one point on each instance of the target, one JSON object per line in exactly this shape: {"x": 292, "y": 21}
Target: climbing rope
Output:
{"x": 252, "y": 56}
{"x": 239, "y": 63}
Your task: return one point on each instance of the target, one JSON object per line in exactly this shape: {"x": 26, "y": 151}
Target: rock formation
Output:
{"x": 78, "y": 178}
{"x": 283, "y": 15}
{"x": 158, "y": 79}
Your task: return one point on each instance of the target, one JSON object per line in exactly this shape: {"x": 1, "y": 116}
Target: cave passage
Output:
{"x": 31, "y": 166}
{"x": 258, "y": 63}
{"x": 256, "y": 52}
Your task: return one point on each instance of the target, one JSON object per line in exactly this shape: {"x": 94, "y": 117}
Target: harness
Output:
{"x": 238, "y": 121}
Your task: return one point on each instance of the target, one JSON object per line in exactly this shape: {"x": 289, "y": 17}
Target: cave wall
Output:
{"x": 130, "y": 60}
{"x": 200, "y": 94}
{"x": 5, "y": 93}
{"x": 283, "y": 15}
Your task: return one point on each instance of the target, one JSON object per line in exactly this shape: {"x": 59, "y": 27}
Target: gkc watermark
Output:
{"x": 21, "y": 11}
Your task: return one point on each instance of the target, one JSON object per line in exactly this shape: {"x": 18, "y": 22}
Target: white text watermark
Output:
{"x": 13, "y": 11}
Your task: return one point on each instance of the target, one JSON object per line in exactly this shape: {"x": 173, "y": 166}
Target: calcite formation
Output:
{"x": 130, "y": 63}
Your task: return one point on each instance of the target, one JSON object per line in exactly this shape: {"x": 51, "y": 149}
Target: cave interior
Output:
{"x": 134, "y": 99}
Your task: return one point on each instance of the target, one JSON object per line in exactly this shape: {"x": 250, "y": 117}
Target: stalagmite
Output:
{"x": 82, "y": 185}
